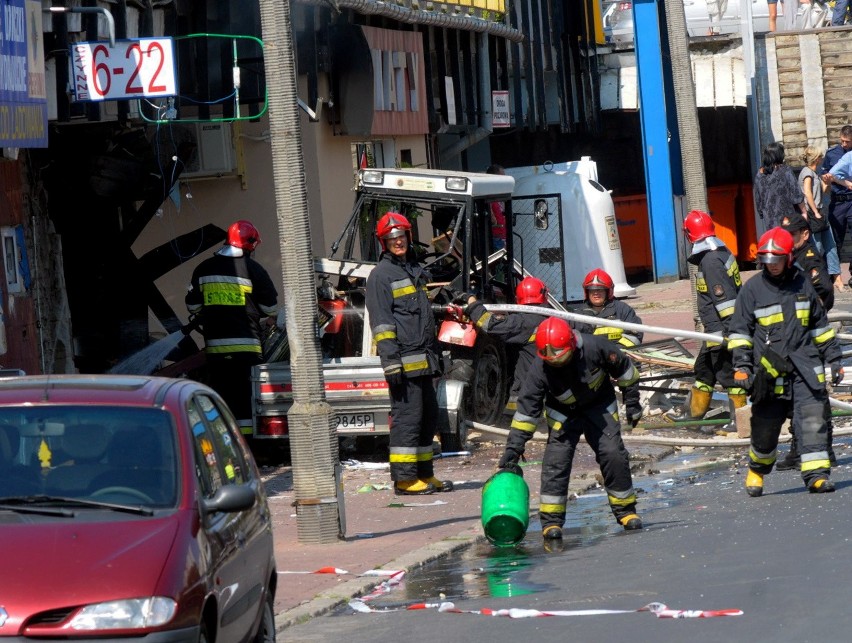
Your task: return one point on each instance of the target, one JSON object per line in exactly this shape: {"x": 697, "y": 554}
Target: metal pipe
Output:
{"x": 677, "y": 333}
{"x": 101, "y": 10}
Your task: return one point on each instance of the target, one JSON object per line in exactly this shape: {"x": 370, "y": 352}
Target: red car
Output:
{"x": 130, "y": 508}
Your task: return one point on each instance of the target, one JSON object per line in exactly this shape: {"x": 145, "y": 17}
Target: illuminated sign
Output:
{"x": 23, "y": 95}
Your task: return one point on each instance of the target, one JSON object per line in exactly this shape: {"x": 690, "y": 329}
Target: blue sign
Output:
{"x": 23, "y": 94}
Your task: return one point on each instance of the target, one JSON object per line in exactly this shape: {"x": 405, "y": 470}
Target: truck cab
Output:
{"x": 451, "y": 217}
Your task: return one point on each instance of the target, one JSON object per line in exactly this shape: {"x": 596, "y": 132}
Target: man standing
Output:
{"x": 571, "y": 384}
{"x": 780, "y": 338}
{"x": 840, "y": 206}
{"x": 600, "y": 302}
{"x": 403, "y": 328}
{"x": 808, "y": 259}
{"x": 231, "y": 292}
{"x": 717, "y": 283}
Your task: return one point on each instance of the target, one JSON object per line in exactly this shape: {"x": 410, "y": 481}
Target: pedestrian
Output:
{"x": 807, "y": 259}
{"x": 772, "y": 8}
{"x": 516, "y": 329}
{"x": 717, "y": 283}
{"x": 813, "y": 188}
{"x": 572, "y": 385}
{"x": 716, "y": 9}
{"x": 403, "y": 328}
{"x": 839, "y": 13}
{"x": 498, "y": 214}
{"x": 600, "y": 302}
{"x": 231, "y": 293}
{"x": 776, "y": 191}
{"x": 780, "y": 338}
{"x": 840, "y": 197}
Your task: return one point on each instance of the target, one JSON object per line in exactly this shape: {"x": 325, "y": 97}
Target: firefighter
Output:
{"x": 780, "y": 339}
{"x": 600, "y": 301}
{"x": 516, "y": 329}
{"x": 231, "y": 293}
{"x": 808, "y": 259}
{"x": 717, "y": 283}
{"x": 404, "y": 331}
{"x": 571, "y": 384}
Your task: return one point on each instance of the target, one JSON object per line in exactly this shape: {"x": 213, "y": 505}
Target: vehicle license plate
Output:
{"x": 356, "y": 422}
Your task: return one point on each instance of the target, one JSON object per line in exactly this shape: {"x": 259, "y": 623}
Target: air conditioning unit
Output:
{"x": 214, "y": 151}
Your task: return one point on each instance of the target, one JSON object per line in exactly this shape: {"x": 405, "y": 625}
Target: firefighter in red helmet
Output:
{"x": 717, "y": 283}
{"x": 600, "y": 302}
{"x": 231, "y": 293}
{"x": 516, "y": 329}
{"x": 780, "y": 339}
{"x": 572, "y": 384}
{"x": 403, "y": 328}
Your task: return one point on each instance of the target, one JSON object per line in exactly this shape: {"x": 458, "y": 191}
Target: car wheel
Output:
{"x": 266, "y": 631}
{"x": 486, "y": 391}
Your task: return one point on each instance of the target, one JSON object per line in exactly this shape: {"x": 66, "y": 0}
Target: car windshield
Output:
{"x": 117, "y": 455}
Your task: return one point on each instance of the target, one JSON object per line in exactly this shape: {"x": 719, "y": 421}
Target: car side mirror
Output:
{"x": 230, "y": 498}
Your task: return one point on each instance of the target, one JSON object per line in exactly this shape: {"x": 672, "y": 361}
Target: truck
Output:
{"x": 450, "y": 212}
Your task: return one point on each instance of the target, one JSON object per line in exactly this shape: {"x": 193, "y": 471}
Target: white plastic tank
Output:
{"x": 564, "y": 226}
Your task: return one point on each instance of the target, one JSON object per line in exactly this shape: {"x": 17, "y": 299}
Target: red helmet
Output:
{"x": 598, "y": 278}
{"x": 531, "y": 291}
{"x": 393, "y": 224}
{"x": 774, "y": 246}
{"x": 243, "y": 234}
{"x": 555, "y": 341}
{"x": 698, "y": 225}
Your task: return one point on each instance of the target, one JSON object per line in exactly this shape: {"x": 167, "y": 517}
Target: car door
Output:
{"x": 237, "y": 541}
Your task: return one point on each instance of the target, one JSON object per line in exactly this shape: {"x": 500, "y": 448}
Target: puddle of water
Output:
{"x": 484, "y": 571}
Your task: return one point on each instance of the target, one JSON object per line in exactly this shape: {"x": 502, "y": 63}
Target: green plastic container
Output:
{"x": 505, "y": 509}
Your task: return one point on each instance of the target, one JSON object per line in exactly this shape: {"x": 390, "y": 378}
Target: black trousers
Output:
{"x": 714, "y": 364}
{"x": 809, "y": 427}
{"x": 413, "y": 422}
{"x": 603, "y": 433}
{"x": 230, "y": 377}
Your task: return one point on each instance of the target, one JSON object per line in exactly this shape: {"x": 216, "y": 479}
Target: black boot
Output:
{"x": 792, "y": 460}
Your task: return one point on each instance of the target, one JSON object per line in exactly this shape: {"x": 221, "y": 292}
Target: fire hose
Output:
{"x": 676, "y": 333}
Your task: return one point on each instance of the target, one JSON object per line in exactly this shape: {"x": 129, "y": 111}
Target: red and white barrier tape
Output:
{"x": 338, "y": 571}
{"x": 657, "y": 609}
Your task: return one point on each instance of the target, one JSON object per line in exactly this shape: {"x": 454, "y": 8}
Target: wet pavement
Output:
{"x": 728, "y": 567}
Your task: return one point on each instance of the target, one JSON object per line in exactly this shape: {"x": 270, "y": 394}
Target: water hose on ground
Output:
{"x": 630, "y": 438}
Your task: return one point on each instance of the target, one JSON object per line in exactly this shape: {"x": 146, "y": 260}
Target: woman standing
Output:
{"x": 776, "y": 191}
{"x": 813, "y": 188}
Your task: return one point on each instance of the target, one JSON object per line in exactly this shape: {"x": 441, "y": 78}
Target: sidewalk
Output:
{"x": 380, "y": 534}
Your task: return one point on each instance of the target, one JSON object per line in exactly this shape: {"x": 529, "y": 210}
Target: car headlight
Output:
{"x": 133, "y": 613}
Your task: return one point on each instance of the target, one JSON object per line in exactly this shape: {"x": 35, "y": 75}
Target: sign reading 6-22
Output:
{"x": 135, "y": 68}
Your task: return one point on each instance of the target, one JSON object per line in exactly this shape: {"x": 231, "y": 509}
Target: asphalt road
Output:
{"x": 781, "y": 559}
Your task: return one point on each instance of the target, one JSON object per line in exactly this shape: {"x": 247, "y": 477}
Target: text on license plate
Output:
{"x": 356, "y": 422}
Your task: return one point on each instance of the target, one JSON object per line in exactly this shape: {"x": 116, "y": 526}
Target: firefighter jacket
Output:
{"x": 564, "y": 392}
{"x": 232, "y": 294}
{"x": 613, "y": 309}
{"x": 783, "y": 314}
{"x": 517, "y": 329}
{"x": 811, "y": 263}
{"x": 717, "y": 283}
{"x": 401, "y": 316}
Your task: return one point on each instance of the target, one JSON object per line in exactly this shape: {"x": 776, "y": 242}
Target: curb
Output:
{"x": 343, "y": 593}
